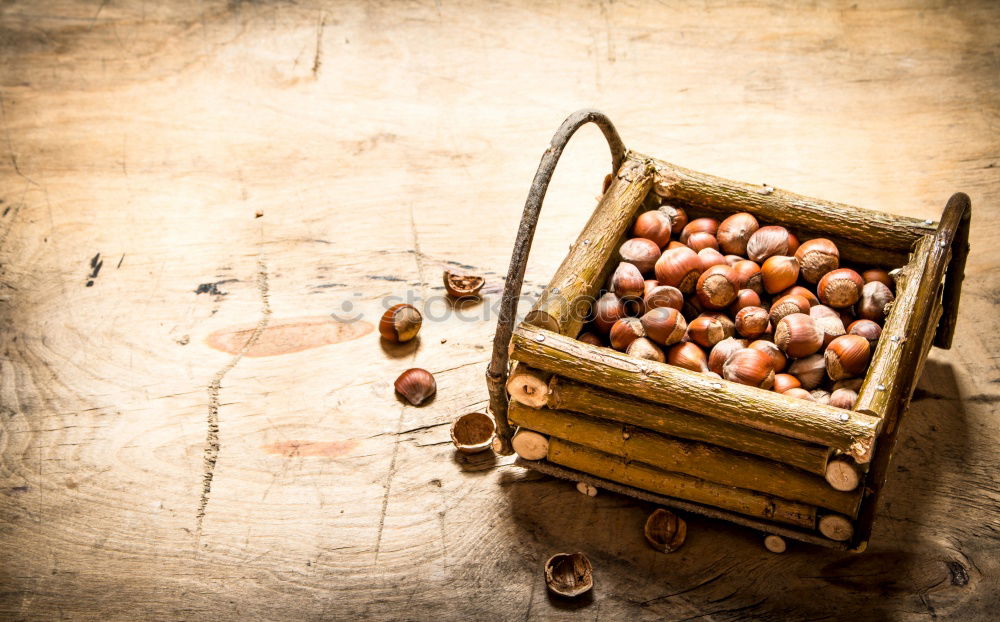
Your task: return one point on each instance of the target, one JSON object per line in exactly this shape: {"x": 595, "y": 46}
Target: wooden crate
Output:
{"x": 688, "y": 440}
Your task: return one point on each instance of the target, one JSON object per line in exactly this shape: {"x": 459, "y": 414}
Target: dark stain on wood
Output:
{"x": 213, "y": 288}
{"x": 96, "y": 263}
{"x": 289, "y": 335}
{"x": 295, "y": 449}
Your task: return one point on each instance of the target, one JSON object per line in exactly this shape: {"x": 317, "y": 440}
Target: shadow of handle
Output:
{"x": 496, "y": 374}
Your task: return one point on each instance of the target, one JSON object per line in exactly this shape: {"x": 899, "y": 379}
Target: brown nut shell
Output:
{"x": 462, "y": 285}
{"x": 721, "y": 352}
{"x": 699, "y": 225}
{"x": 664, "y": 325}
{"x": 751, "y": 322}
{"x": 750, "y": 367}
{"x": 710, "y": 328}
{"x": 817, "y": 257}
{"x": 880, "y": 275}
{"x": 799, "y": 393}
{"x": 663, "y": 296}
{"x": 840, "y": 288}
{"x": 680, "y": 268}
{"x": 847, "y": 356}
{"x": 624, "y": 332}
{"x": 787, "y": 305}
{"x": 797, "y": 335}
{"x": 716, "y": 288}
{"x": 400, "y": 323}
{"x": 779, "y": 272}
{"x": 745, "y": 298}
{"x": 416, "y": 385}
{"x": 700, "y": 240}
{"x": 748, "y": 275}
{"x": 678, "y": 217}
{"x": 665, "y": 531}
{"x": 784, "y": 382}
{"x": 640, "y": 252}
{"x": 607, "y": 310}
{"x": 711, "y": 257}
{"x": 643, "y": 348}
{"x": 875, "y": 299}
{"x": 843, "y": 398}
{"x": 569, "y": 574}
{"x": 866, "y": 328}
{"x": 810, "y": 370}
{"x": 653, "y": 225}
{"x": 689, "y": 356}
{"x": 778, "y": 358}
{"x": 806, "y": 293}
{"x": 627, "y": 282}
{"x": 591, "y": 338}
{"x": 769, "y": 241}
{"x": 473, "y": 432}
{"x": 734, "y": 232}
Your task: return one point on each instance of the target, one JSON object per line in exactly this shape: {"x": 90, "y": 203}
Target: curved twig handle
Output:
{"x": 953, "y": 230}
{"x": 496, "y": 374}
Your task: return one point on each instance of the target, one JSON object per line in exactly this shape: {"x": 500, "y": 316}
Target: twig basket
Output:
{"x": 687, "y": 440}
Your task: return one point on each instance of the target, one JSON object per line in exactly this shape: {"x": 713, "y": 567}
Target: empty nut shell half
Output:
{"x": 416, "y": 385}
{"x": 665, "y": 531}
{"x": 462, "y": 285}
{"x": 472, "y": 433}
{"x": 569, "y": 574}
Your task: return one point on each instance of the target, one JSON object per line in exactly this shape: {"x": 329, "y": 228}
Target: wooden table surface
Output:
{"x": 191, "y": 190}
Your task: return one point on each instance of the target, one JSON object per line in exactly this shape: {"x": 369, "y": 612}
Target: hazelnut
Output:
{"x": 699, "y": 225}
{"x": 721, "y": 352}
{"x": 400, "y": 323}
{"x": 820, "y": 396}
{"x": 590, "y": 338}
{"x": 745, "y": 298}
{"x": 769, "y": 241}
{"x": 607, "y": 310}
{"x": 880, "y": 275}
{"x": 875, "y": 297}
{"x": 817, "y": 257}
{"x": 748, "y": 275}
{"x": 473, "y": 432}
{"x": 787, "y": 305}
{"x": 569, "y": 574}
{"x": 663, "y": 296}
{"x": 734, "y": 232}
{"x": 462, "y": 285}
{"x": 750, "y": 367}
{"x": 664, "y": 325}
{"x": 778, "y": 359}
{"x": 640, "y": 252}
{"x": 678, "y": 217}
{"x": 627, "y": 282}
{"x": 840, "y": 288}
{"x": 665, "y": 531}
{"x": 711, "y": 257}
{"x": 866, "y": 328}
{"x": 689, "y": 356}
{"x": 710, "y": 328}
{"x": 700, "y": 240}
{"x": 675, "y": 244}
{"x": 751, "y": 322}
{"x": 847, "y": 356}
{"x": 810, "y": 370}
{"x": 784, "y": 382}
{"x": 797, "y": 335}
{"x": 416, "y": 385}
{"x": 643, "y": 348}
{"x": 798, "y": 290}
{"x": 716, "y": 288}
{"x": 832, "y": 328}
{"x": 653, "y": 225}
{"x": 817, "y": 311}
{"x": 799, "y": 393}
{"x": 843, "y": 398}
{"x": 779, "y": 272}
{"x": 680, "y": 268}
{"x": 624, "y": 332}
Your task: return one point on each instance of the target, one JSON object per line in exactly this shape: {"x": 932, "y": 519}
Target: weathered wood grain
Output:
{"x": 381, "y": 142}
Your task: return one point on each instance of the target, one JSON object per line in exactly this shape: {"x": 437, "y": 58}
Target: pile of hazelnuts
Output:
{"x": 743, "y": 302}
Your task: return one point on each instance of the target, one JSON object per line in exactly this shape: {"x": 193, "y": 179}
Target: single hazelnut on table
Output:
{"x": 748, "y": 275}
{"x": 779, "y": 272}
{"x": 721, "y": 352}
{"x": 689, "y": 356}
{"x": 664, "y": 325}
{"x": 840, "y": 288}
{"x": 416, "y": 385}
{"x": 711, "y": 257}
{"x": 625, "y": 331}
{"x": 787, "y": 305}
{"x": 750, "y": 367}
{"x": 400, "y": 323}
{"x": 680, "y": 268}
{"x": 643, "y": 348}
{"x": 462, "y": 285}
{"x": 875, "y": 297}
{"x": 716, "y": 287}
{"x": 817, "y": 257}
{"x": 569, "y": 574}
{"x": 784, "y": 382}
{"x": 751, "y": 322}
{"x": 769, "y": 241}
{"x": 665, "y": 531}
{"x": 473, "y": 432}
{"x": 710, "y": 328}
{"x": 797, "y": 335}
{"x": 641, "y": 253}
{"x": 745, "y": 298}
{"x": 678, "y": 217}
{"x": 778, "y": 358}
{"x": 699, "y": 225}
{"x": 847, "y": 356}
{"x": 810, "y": 370}
{"x": 627, "y": 281}
{"x": 653, "y": 225}
{"x": 607, "y": 310}
{"x": 866, "y": 328}
{"x": 734, "y": 232}
{"x": 701, "y": 240}
{"x": 663, "y": 296}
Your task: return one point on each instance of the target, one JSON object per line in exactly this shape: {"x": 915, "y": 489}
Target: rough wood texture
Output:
{"x": 382, "y": 141}
{"x": 578, "y": 397}
{"x": 700, "y": 460}
{"x": 851, "y": 432}
{"x": 643, "y": 476}
{"x": 565, "y": 303}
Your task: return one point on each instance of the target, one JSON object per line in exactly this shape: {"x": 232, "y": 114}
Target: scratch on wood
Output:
{"x": 212, "y": 444}
{"x": 318, "y": 58}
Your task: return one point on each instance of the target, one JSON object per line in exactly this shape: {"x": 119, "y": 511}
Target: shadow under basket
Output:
{"x": 691, "y": 441}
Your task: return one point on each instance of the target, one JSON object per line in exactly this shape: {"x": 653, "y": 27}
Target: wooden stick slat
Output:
{"x": 851, "y": 432}
{"x": 700, "y": 460}
{"x": 773, "y": 205}
{"x": 584, "y": 398}
{"x": 681, "y": 486}
{"x": 564, "y": 304}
